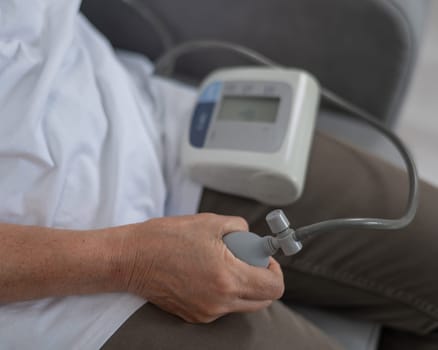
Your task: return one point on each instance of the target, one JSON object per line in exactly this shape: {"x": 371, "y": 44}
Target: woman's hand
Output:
{"x": 181, "y": 265}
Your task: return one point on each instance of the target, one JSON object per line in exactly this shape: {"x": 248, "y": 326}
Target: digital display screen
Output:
{"x": 249, "y": 109}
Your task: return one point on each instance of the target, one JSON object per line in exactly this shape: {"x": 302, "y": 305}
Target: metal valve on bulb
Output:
{"x": 255, "y": 250}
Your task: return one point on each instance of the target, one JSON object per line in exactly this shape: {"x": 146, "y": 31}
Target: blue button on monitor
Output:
{"x": 211, "y": 93}
{"x": 200, "y": 123}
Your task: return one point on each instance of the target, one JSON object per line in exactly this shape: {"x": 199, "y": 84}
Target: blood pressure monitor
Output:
{"x": 251, "y": 131}
{"x": 250, "y": 135}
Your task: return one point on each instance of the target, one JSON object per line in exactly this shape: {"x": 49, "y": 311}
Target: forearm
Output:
{"x": 38, "y": 262}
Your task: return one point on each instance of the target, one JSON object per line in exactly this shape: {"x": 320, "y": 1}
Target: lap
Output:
{"x": 273, "y": 328}
{"x": 384, "y": 276}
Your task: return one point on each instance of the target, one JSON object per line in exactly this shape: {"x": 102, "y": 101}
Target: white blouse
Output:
{"x": 87, "y": 139}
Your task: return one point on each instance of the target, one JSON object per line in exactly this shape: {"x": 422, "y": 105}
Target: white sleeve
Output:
{"x": 29, "y": 20}
{"x": 32, "y": 33}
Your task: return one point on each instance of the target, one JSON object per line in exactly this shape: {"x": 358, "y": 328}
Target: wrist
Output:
{"x": 114, "y": 241}
{"x": 123, "y": 254}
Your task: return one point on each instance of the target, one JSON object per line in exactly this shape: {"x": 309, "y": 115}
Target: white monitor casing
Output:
{"x": 276, "y": 176}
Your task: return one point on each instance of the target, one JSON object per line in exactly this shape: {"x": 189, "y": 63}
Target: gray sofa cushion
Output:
{"x": 363, "y": 50}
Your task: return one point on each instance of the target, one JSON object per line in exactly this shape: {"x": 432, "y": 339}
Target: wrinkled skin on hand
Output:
{"x": 181, "y": 265}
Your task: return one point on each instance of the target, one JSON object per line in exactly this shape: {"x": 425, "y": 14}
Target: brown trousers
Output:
{"x": 387, "y": 277}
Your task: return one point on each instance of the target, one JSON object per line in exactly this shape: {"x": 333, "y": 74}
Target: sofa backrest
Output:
{"x": 363, "y": 50}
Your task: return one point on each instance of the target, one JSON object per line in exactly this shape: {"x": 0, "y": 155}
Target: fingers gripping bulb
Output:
{"x": 285, "y": 238}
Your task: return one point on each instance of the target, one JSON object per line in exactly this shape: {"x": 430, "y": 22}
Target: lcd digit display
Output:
{"x": 249, "y": 109}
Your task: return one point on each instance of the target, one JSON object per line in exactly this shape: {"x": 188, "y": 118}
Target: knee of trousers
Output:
{"x": 274, "y": 327}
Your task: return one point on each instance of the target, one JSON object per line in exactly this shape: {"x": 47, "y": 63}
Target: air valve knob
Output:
{"x": 277, "y": 221}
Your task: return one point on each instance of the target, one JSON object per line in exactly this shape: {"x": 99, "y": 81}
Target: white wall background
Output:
{"x": 418, "y": 124}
